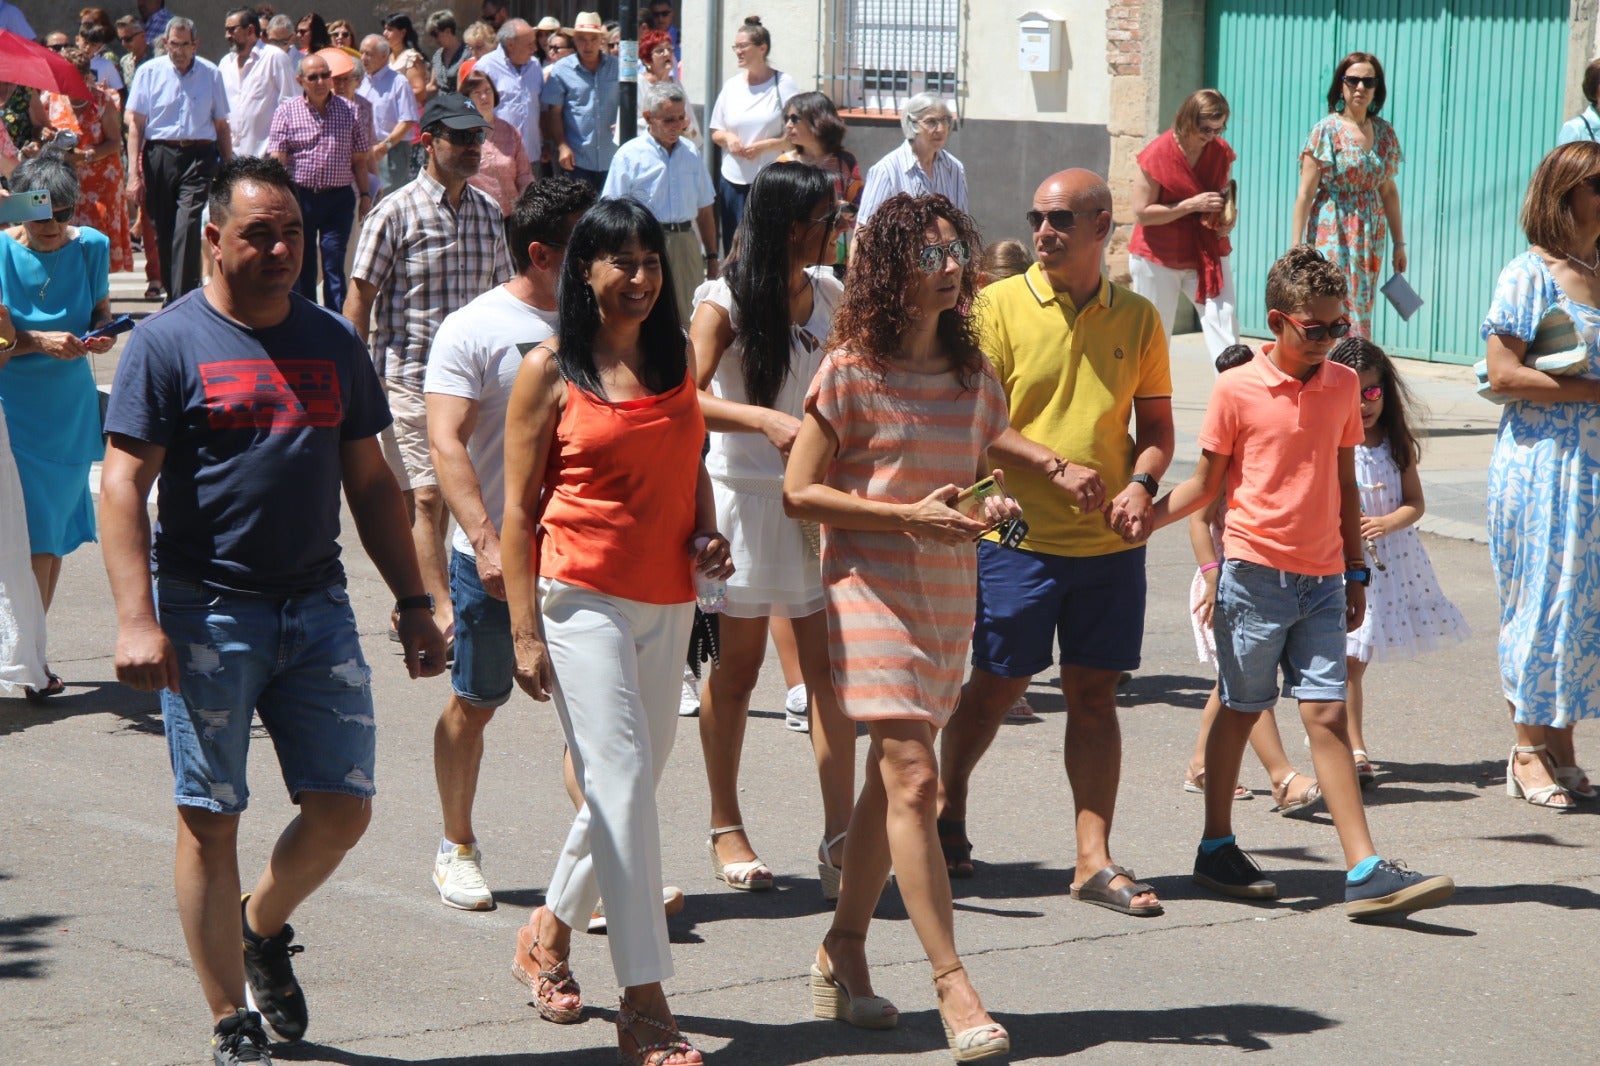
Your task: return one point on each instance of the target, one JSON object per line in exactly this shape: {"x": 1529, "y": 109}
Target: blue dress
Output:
{"x": 52, "y": 405}
{"x": 1544, "y": 520}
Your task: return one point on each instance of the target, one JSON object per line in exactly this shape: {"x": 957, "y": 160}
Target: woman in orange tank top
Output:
{"x": 604, "y": 433}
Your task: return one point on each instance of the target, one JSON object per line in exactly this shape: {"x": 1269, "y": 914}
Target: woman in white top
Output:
{"x": 757, "y": 336}
{"x": 747, "y": 122}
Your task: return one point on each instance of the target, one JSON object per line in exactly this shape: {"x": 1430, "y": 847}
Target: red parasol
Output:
{"x": 23, "y": 62}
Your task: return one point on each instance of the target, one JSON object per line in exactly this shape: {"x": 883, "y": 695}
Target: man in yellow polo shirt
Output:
{"x": 1081, "y": 359}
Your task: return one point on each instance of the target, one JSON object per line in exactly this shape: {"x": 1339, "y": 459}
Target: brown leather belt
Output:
{"x": 185, "y": 144}
{"x": 677, "y": 227}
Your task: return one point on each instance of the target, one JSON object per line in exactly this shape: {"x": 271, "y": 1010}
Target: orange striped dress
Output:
{"x": 900, "y": 609}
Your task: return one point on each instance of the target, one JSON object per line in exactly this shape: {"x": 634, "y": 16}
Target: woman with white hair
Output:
{"x": 920, "y": 166}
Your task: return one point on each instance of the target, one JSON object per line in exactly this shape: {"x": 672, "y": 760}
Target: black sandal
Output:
{"x": 956, "y": 847}
{"x": 54, "y": 687}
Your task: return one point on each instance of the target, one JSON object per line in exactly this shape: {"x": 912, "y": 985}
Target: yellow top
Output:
{"x": 1071, "y": 386}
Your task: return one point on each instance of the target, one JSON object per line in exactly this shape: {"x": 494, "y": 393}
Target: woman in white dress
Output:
{"x": 758, "y": 333}
{"x": 22, "y": 632}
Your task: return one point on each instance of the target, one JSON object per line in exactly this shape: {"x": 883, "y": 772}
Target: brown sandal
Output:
{"x": 647, "y": 1054}
{"x": 545, "y": 982}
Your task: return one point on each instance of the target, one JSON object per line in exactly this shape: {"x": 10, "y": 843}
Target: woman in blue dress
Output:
{"x": 55, "y": 280}
{"x": 1544, "y": 481}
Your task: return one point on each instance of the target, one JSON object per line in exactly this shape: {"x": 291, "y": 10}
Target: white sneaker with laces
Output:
{"x": 794, "y": 710}
{"x": 671, "y": 903}
{"x": 689, "y": 699}
{"x": 458, "y": 874}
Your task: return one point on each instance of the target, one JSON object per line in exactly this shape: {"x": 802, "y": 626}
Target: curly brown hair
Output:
{"x": 877, "y": 313}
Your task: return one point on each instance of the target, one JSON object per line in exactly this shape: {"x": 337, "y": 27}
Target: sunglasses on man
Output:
{"x": 1060, "y": 220}
{"x": 466, "y": 138}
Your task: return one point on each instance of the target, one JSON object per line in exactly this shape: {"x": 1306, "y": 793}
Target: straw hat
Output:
{"x": 588, "y": 22}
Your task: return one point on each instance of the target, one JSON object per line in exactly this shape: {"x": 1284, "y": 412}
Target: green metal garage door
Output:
{"x": 1474, "y": 92}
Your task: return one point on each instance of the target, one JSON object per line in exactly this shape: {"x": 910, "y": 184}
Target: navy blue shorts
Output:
{"x": 482, "y": 674}
{"x": 1091, "y": 606}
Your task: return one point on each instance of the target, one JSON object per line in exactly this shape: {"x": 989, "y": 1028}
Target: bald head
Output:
{"x": 1076, "y": 189}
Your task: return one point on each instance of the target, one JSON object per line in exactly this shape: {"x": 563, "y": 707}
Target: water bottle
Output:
{"x": 710, "y": 593}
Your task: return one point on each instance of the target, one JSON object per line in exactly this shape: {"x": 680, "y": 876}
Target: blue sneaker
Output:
{"x": 1390, "y": 888}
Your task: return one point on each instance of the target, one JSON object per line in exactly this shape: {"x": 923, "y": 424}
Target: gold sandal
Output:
{"x": 647, "y": 1054}
{"x": 979, "y": 1042}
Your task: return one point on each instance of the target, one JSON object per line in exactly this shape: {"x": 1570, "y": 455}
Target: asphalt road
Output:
{"x": 93, "y": 968}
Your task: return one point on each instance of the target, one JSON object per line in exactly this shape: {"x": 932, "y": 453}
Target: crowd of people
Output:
{"x": 671, "y": 420}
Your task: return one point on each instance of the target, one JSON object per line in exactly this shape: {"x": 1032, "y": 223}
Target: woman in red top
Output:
{"x": 1183, "y": 207}
{"x": 603, "y": 440}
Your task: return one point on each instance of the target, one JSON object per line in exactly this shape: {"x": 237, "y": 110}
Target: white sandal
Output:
{"x": 1569, "y": 776}
{"x": 751, "y": 876}
{"x": 827, "y": 872}
{"x": 1542, "y": 796}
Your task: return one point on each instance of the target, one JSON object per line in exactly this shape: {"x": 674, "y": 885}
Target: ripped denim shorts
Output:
{"x": 294, "y": 661}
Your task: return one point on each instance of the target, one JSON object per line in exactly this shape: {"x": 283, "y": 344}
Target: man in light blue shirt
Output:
{"x": 518, "y": 78}
{"x": 1586, "y": 127}
{"x": 394, "y": 114}
{"x": 920, "y": 166}
{"x": 580, "y": 103}
{"x": 665, "y": 173}
{"x": 177, "y": 132}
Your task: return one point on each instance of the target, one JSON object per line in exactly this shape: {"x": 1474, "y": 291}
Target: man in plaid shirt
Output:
{"x": 324, "y": 144}
{"x": 426, "y": 250}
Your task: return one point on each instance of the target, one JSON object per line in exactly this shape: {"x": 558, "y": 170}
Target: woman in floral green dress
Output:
{"x": 1348, "y": 205}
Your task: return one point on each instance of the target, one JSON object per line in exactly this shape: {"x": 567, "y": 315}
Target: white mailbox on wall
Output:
{"x": 1039, "y": 50}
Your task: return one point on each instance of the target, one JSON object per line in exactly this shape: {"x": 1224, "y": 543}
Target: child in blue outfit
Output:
{"x": 1281, "y": 433}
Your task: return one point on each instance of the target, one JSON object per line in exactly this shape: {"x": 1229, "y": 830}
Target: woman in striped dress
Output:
{"x": 898, "y": 419}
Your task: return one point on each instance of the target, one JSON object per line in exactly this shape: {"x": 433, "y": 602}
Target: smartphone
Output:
{"x": 970, "y": 499}
{"x": 25, "y": 207}
{"x": 118, "y": 325}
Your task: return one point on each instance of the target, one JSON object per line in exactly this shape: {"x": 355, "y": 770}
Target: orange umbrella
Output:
{"x": 23, "y": 62}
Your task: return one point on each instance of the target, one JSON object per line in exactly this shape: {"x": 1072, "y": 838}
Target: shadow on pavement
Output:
{"x": 1174, "y": 690}
{"x": 1245, "y": 1026}
{"x": 21, "y": 945}
{"x": 140, "y": 711}
{"x": 1565, "y": 897}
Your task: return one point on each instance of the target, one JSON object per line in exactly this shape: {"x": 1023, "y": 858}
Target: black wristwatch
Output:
{"x": 1149, "y": 483}
{"x": 1360, "y": 575}
{"x": 411, "y": 603}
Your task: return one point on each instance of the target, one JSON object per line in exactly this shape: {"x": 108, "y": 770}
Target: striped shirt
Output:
{"x": 426, "y": 259}
{"x": 900, "y": 172}
{"x": 319, "y": 144}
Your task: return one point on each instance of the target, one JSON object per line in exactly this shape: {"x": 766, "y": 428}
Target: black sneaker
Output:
{"x": 269, "y": 983}
{"x": 1232, "y": 873}
{"x": 239, "y": 1039}
{"x": 1390, "y": 888}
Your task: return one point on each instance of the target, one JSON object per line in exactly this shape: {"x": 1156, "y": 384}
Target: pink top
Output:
{"x": 1284, "y": 438}
{"x": 504, "y": 171}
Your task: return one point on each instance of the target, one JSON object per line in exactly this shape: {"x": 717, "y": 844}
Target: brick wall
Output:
{"x": 1130, "y": 26}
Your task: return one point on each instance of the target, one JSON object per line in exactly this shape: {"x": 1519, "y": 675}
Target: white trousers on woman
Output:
{"x": 618, "y": 669}
{"x": 1163, "y": 285}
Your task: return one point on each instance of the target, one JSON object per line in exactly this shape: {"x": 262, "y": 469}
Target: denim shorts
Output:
{"x": 1091, "y": 606}
{"x": 296, "y": 662}
{"x": 485, "y": 662}
{"x": 1268, "y": 619}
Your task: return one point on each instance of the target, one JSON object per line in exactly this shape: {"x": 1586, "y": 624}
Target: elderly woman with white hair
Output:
{"x": 920, "y": 166}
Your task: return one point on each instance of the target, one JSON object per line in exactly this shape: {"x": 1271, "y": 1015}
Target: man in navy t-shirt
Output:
{"x": 257, "y": 408}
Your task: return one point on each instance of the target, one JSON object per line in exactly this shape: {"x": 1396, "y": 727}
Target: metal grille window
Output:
{"x": 879, "y": 53}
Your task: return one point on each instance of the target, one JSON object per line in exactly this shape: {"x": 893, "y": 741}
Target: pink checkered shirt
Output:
{"x": 319, "y": 145}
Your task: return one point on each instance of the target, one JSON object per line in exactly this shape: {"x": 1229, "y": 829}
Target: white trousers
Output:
{"x": 1163, "y": 285}
{"x": 618, "y": 669}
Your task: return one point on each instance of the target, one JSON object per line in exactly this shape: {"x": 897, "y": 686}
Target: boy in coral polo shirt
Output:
{"x": 1281, "y": 433}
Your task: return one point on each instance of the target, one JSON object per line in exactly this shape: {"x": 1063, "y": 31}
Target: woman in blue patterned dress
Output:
{"x": 1544, "y": 482}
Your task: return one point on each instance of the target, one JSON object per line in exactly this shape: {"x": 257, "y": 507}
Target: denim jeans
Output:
{"x": 1268, "y": 619}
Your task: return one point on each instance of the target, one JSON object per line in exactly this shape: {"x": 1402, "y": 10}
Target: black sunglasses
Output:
{"x": 466, "y": 138}
{"x": 126, "y": 37}
{"x": 1060, "y": 220}
{"x": 1354, "y": 82}
{"x": 316, "y": 77}
{"x": 57, "y": 47}
{"x": 1316, "y": 331}
{"x": 64, "y": 214}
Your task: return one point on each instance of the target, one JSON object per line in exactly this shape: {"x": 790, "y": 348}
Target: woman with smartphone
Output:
{"x": 55, "y": 279}
{"x": 757, "y": 334}
{"x": 898, "y": 419}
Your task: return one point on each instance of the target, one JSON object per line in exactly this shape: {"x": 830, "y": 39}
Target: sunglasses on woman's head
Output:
{"x": 1372, "y": 393}
{"x": 932, "y": 256}
{"x": 1353, "y": 82}
{"x": 1316, "y": 331}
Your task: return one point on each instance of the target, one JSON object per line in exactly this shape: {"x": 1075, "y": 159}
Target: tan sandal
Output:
{"x": 831, "y": 999}
{"x": 647, "y": 1054}
{"x": 1300, "y": 807}
{"x": 979, "y": 1042}
{"x": 545, "y": 982}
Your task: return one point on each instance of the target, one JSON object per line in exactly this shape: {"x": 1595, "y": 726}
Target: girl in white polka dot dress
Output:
{"x": 1407, "y": 614}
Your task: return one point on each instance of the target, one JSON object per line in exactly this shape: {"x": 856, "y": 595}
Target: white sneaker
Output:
{"x": 689, "y": 699}
{"x": 671, "y": 903}
{"x": 458, "y": 873}
{"x": 794, "y": 710}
